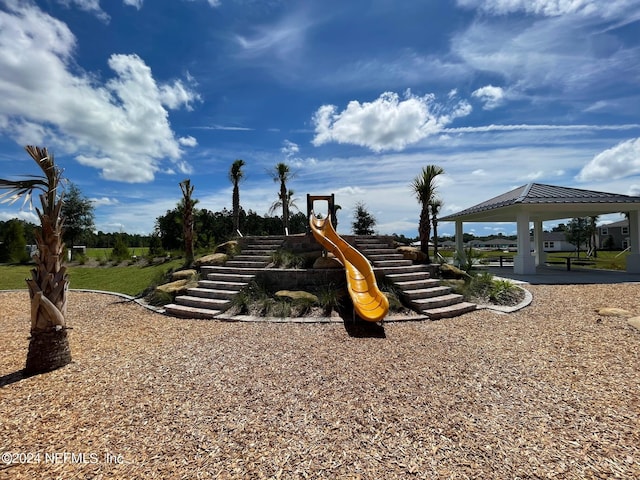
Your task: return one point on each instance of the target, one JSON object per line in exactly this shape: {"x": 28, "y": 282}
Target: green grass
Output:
{"x": 131, "y": 280}
{"x": 102, "y": 253}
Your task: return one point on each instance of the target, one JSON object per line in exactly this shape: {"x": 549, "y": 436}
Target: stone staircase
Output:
{"x": 424, "y": 293}
{"x": 214, "y": 293}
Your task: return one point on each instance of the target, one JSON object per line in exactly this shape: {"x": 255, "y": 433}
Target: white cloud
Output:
{"x": 493, "y": 97}
{"x": 289, "y": 148}
{"x": 27, "y": 216}
{"x": 120, "y": 127}
{"x": 89, "y": 6}
{"x": 620, "y": 161}
{"x": 550, "y": 8}
{"x": 133, "y": 3}
{"x": 104, "y": 201}
{"x": 188, "y": 141}
{"x": 387, "y": 123}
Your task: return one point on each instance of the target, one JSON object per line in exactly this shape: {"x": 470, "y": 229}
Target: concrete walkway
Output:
{"x": 560, "y": 276}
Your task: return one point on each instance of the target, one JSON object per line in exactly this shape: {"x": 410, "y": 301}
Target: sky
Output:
{"x": 134, "y": 96}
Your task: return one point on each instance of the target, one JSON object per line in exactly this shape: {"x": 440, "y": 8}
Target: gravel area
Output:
{"x": 549, "y": 391}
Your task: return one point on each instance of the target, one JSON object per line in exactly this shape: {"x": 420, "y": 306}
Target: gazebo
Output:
{"x": 537, "y": 203}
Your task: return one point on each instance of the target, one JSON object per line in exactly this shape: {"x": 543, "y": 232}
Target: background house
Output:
{"x": 614, "y": 236}
{"x": 556, "y": 242}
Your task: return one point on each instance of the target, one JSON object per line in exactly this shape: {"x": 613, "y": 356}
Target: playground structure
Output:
{"x": 368, "y": 301}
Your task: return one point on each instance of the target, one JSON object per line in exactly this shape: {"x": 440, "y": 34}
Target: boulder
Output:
{"x": 450, "y": 271}
{"x": 412, "y": 253}
{"x": 184, "y": 274}
{"x": 327, "y": 262}
{"x": 230, "y": 248}
{"x": 613, "y": 312}
{"x": 173, "y": 288}
{"x": 297, "y": 295}
{"x": 634, "y": 322}
{"x": 213, "y": 259}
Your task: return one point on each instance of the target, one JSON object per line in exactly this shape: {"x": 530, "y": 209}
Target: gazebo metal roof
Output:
{"x": 545, "y": 202}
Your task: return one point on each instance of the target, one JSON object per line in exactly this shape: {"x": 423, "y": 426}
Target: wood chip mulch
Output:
{"x": 550, "y": 391}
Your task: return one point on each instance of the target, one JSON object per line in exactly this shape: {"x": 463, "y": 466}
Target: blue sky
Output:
{"x": 133, "y": 96}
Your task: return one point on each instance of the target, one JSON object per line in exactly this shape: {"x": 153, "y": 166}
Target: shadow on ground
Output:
{"x": 359, "y": 328}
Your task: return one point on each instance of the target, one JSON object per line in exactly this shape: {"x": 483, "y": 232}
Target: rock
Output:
{"x": 327, "y": 262}
{"x": 412, "y": 253}
{"x": 174, "y": 287}
{"x": 450, "y": 271}
{"x": 184, "y": 274}
{"x": 634, "y": 322}
{"x": 297, "y": 295}
{"x": 613, "y": 312}
{"x": 230, "y": 247}
{"x": 213, "y": 259}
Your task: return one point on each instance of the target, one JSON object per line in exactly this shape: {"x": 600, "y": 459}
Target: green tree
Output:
{"x": 236, "y": 175}
{"x": 578, "y": 232}
{"x": 282, "y": 173}
{"x": 13, "y": 246}
{"x": 78, "y": 213}
{"x": 424, "y": 186}
{"x": 48, "y": 344}
{"x": 120, "y": 249}
{"x": 363, "y": 221}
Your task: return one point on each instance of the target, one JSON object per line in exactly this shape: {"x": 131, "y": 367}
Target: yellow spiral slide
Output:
{"x": 370, "y": 303}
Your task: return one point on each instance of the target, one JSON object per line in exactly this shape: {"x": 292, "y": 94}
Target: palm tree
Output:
{"x": 425, "y": 189}
{"x": 282, "y": 173}
{"x": 236, "y": 175}
{"x": 49, "y": 345}
{"x": 187, "y": 219}
{"x": 291, "y": 203}
{"x": 593, "y": 230}
{"x": 436, "y": 205}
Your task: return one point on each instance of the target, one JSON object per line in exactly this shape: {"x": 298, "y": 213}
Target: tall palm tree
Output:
{"x": 187, "y": 219}
{"x": 593, "y": 231}
{"x": 436, "y": 205}
{"x": 282, "y": 173}
{"x": 49, "y": 345}
{"x": 236, "y": 175}
{"x": 425, "y": 189}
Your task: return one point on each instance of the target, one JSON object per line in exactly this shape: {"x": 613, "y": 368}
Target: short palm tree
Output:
{"x": 425, "y": 189}
{"x": 187, "y": 219}
{"x": 291, "y": 203}
{"x": 282, "y": 173}
{"x": 435, "y": 205}
{"x": 236, "y": 175}
{"x": 49, "y": 344}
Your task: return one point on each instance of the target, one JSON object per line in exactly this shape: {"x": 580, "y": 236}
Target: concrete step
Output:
{"x": 257, "y": 264}
{"x": 222, "y": 270}
{"x": 401, "y": 278}
{"x": 392, "y": 263}
{"x": 201, "y": 302}
{"x": 384, "y": 256}
{"x": 450, "y": 310}
{"x": 376, "y": 251}
{"x": 405, "y": 269}
{"x": 211, "y": 293}
{"x": 418, "y": 284}
{"x": 184, "y": 311}
{"x": 230, "y": 277}
{"x": 222, "y": 285}
{"x": 427, "y": 292}
{"x": 437, "y": 302}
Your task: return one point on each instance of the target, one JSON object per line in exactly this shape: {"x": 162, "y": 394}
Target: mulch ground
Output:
{"x": 550, "y": 391}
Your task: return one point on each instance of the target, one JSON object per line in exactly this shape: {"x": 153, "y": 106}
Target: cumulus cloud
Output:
{"x": 120, "y": 127}
{"x": 289, "y": 148}
{"x": 620, "y": 161}
{"x": 104, "y": 201}
{"x": 188, "y": 141}
{"x": 133, "y": 3}
{"x": 387, "y": 123}
{"x": 493, "y": 97}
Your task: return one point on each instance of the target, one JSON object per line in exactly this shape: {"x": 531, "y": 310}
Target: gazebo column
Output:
{"x": 524, "y": 263}
{"x": 538, "y": 240}
{"x": 460, "y": 242}
{"x": 633, "y": 259}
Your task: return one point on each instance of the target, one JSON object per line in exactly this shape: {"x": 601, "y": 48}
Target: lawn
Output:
{"x": 130, "y": 280}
